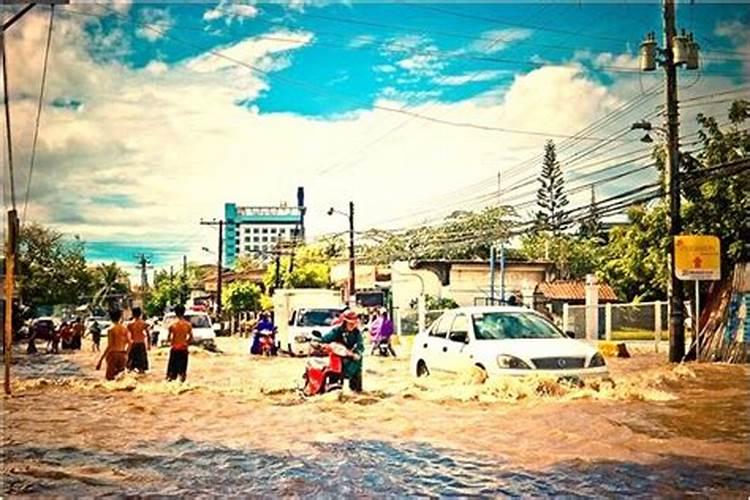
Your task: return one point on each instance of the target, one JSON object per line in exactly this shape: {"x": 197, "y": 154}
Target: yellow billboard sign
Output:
{"x": 697, "y": 257}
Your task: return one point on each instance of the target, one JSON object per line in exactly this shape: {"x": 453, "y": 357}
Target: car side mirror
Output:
{"x": 460, "y": 337}
{"x": 570, "y": 334}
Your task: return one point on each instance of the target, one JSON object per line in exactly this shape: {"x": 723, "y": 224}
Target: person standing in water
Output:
{"x": 118, "y": 345}
{"x": 179, "y": 338}
{"x": 138, "y": 357}
{"x": 96, "y": 336}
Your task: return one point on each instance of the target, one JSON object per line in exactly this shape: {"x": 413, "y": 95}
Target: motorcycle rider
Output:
{"x": 348, "y": 334}
{"x": 264, "y": 324}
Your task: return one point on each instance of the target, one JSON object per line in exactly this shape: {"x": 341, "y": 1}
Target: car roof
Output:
{"x": 490, "y": 309}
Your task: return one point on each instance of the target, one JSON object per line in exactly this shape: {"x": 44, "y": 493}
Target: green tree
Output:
{"x": 111, "y": 284}
{"x": 551, "y": 197}
{"x": 311, "y": 269}
{"x": 574, "y": 257}
{"x": 51, "y": 269}
{"x": 591, "y": 226}
{"x": 636, "y": 256}
{"x": 241, "y": 296}
{"x": 167, "y": 291}
{"x": 462, "y": 235}
{"x": 720, "y": 203}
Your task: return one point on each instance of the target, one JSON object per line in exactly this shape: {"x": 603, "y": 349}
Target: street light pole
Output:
{"x": 352, "y": 285}
{"x": 676, "y": 317}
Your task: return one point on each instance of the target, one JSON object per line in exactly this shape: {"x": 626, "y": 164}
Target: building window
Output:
{"x": 256, "y": 248}
{"x": 256, "y": 239}
{"x": 265, "y": 230}
{"x": 256, "y": 230}
{"x": 273, "y": 230}
{"x": 247, "y": 230}
{"x": 265, "y": 238}
{"x": 273, "y": 238}
{"x": 247, "y": 239}
{"x": 247, "y": 249}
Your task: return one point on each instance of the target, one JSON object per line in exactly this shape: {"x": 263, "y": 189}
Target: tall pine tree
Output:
{"x": 551, "y": 197}
{"x": 591, "y": 226}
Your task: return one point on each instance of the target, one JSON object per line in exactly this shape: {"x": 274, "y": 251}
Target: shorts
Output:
{"x": 177, "y": 365}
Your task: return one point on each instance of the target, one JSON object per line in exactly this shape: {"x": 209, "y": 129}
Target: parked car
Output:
{"x": 204, "y": 332}
{"x": 502, "y": 340}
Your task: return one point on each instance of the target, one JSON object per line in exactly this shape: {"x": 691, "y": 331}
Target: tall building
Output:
{"x": 257, "y": 230}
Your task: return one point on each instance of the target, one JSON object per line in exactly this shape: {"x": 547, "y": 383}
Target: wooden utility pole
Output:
{"x": 352, "y": 268}
{"x": 10, "y": 262}
{"x": 676, "y": 316}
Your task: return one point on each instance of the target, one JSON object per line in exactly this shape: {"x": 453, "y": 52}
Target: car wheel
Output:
{"x": 422, "y": 370}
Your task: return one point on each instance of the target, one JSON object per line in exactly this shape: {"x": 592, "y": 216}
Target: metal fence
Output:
{"x": 632, "y": 321}
{"x": 407, "y": 320}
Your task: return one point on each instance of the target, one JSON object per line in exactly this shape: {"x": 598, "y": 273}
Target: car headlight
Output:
{"x": 597, "y": 360}
{"x": 512, "y": 362}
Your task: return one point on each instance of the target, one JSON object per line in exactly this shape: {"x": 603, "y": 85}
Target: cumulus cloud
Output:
{"x": 155, "y": 24}
{"x": 738, "y": 32}
{"x": 229, "y": 11}
{"x": 172, "y": 140}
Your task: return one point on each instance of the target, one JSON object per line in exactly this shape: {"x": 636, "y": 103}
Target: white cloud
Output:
{"x": 497, "y": 40}
{"x": 475, "y": 76}
{"x": 738, "y": 33}
{"x": 173, "y": 140}
{"x": 385, "y": 68}
{"x": 230, "y": 11}
{"x": 361, "y": 41}
{"x": 155, "y": 24}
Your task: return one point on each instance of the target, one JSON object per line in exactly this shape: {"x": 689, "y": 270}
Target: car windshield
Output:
{"x": 513, "y": 325}
{"x": 318, "y": 317}
{"x": 199, "y": 321}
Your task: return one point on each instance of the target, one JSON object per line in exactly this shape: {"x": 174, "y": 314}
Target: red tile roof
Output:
{"x": 574, "y": 290}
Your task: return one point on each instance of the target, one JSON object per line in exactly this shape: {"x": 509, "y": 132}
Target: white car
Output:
{"x": 306, "y": 323}
{"x": 204, "y": 333}
{"x": 502, "y": 340}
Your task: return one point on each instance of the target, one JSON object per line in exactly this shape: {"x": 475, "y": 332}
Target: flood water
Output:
{"x": 238, "y": 427}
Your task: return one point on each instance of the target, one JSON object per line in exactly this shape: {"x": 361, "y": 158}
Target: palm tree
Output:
{"x": 110, "y": 280}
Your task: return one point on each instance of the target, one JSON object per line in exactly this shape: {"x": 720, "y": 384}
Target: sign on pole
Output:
{"x": 697, "y": 257}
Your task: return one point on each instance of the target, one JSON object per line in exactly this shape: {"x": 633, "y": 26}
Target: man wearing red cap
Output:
{"x": 348, "y": 334}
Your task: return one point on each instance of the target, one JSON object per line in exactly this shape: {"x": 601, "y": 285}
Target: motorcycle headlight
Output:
{"x": 597, "y": 360}
{"x": 511, "y": 362}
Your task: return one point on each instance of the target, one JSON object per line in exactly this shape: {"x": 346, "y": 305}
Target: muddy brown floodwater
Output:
{"x": 238, "y": 427}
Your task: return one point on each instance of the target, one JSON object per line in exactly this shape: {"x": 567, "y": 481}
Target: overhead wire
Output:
{"x": 40, "y": 105}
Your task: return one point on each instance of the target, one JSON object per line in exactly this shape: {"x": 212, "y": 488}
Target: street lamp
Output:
{"x": 350, "y": 216}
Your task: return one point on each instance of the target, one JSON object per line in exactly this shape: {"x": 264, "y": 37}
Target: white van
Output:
{"x": 204, "y": 333}
{"x": 300, "y": 312}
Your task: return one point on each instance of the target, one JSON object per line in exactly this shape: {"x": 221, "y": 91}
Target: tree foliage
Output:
{"x": 462, "y": 235}
{"x": 241, "y": 296}
{"x": 551, "y": 197}
{"x": 51, "y": 269}
{"x": 311, "y": 268}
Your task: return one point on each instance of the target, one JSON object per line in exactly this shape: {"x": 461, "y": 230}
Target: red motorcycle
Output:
{"x": 324, "y": 375}
{"x": 267, "y": 340}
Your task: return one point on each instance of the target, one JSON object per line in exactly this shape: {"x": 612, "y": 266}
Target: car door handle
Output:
{"x": 425, "y": 346}
{"x": 445, "y": 349}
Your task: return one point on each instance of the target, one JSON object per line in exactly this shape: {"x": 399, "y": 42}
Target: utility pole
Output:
{"x": 679, "y": 50}
{"x": 492, "y": 274}
{"x": 277, "y": 277}
{"x": 676, "y": 319}
{"x": 220, "y": 264}
{"x": 11, "y": 234}
{"x": 352, "y": 270}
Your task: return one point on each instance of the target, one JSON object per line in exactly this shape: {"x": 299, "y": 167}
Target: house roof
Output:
{"x": 574, "y": 290}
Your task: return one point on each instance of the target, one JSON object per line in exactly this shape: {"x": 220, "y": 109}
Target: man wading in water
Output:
{"x": 138, "y": 358}
{"x": 349, "y": 335}
{"x": 180, "y": 336}
{"x": 118, "y": 344}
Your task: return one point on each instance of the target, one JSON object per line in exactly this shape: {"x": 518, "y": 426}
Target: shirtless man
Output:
{"x": 118, "y": 345}
{"x": 137, "y": 358}
{"x": 179, "y": 338}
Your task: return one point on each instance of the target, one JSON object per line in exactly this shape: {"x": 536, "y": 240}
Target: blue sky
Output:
{"x": 156, "y": 114}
